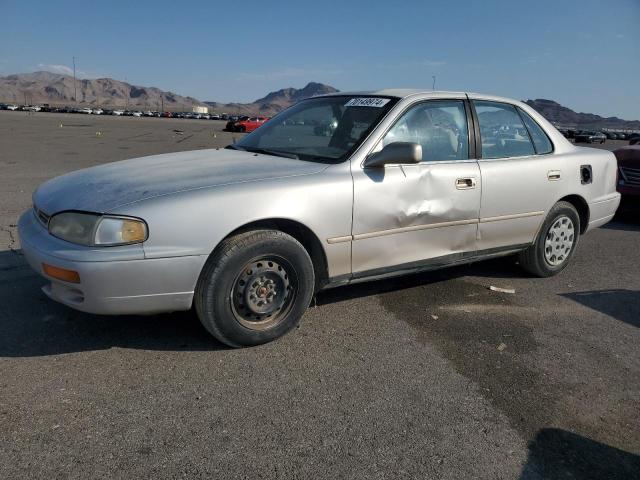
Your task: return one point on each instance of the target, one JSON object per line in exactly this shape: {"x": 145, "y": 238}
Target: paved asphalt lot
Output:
{"x": 429, "y": 376}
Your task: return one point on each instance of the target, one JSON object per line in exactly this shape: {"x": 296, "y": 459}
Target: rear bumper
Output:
{"x": 110, "y": 287}
{"x": 603, "y": 210}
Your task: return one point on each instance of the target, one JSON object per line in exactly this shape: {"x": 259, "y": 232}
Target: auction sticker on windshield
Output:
{"x": 367, "y": 102}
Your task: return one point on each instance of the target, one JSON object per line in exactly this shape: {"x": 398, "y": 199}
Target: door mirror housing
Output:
{"x": 395, "y": 153}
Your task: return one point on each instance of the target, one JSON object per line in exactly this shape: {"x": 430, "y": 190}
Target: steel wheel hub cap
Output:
{"x": 559, "y": 241}
{"x": 261, "y": 293}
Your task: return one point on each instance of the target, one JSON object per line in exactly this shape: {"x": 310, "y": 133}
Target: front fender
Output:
{"x": 195, "y": 222}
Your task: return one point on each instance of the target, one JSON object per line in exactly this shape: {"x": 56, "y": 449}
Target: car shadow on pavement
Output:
{"x": 621, "y": 304}
{"x": 555, "y": 453}
{"x": 33, "y": 325}
{"x": 624, "y": 223}
{"x": 501, "y": 268}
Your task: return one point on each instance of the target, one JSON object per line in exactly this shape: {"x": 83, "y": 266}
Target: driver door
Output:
{"x": 408, "y": 217}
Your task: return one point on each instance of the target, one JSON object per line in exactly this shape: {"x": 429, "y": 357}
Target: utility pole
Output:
{"x": 75, "y": 88}
{"x": 433, "y": 87}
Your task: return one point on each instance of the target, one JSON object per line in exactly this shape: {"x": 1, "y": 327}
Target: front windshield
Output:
{"x": 324, "y": 129}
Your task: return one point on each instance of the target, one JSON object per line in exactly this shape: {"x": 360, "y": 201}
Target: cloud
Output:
{"x": 63, "y": 69}
{"x": 288, "y": 72}
{"x": 66, "y": 70}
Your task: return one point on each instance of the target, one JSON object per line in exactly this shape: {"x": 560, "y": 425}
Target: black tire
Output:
{"x": 227, "y": 299}
{"x": 534, "y": 259}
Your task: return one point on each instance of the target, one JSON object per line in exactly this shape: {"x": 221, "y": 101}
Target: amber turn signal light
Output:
{"x": 63, "y": 274}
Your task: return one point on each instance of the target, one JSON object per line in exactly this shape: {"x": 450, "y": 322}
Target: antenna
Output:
{"x": 75, "y": 89}
{"x": 433, "y": 87}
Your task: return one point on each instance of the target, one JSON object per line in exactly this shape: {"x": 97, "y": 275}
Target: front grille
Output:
{"x": 42, "y": 217}
{"x": 631, "y": 176}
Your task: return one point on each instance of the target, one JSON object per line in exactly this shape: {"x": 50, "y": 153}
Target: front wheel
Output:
{"x": 555, "y": 244}
{"x": 254, "y": 288}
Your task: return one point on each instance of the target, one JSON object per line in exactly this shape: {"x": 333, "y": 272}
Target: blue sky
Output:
{"x": 583, "y": 53}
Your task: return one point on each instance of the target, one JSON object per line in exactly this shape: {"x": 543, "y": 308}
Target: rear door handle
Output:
{"x": 465, "y": 183}
{"x": 553, "y": 175}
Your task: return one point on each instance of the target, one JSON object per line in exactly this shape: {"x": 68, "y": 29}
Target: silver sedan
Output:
{"x": 337, "y": 189}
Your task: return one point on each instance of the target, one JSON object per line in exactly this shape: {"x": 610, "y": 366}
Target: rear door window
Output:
{"x": 540, "y": 139}
{"x": 502, "y": 131}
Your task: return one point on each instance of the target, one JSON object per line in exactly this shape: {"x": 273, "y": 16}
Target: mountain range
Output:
{"x": 274, "y": 102}
{"x": 58, "y": 89}
{"x": 563, "y": 116}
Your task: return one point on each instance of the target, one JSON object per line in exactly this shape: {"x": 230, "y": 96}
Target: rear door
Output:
{"x": 521, "y": 176}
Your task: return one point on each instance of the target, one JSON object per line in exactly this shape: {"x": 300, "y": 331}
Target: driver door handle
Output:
{"x": 466, "y": 183}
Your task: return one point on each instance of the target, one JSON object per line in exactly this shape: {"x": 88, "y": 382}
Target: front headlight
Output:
{"x": 92, "y": 229}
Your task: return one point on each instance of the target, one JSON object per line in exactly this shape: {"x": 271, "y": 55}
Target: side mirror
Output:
{"x": 395, "y": 153}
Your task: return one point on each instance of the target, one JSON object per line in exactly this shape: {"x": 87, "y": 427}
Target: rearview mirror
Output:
{"x": 395, "y": 153}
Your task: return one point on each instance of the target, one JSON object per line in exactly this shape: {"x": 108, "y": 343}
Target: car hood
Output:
{"x": 104, "y": 188}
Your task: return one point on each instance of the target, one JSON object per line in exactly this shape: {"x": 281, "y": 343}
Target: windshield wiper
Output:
{"x": 235, "y": 147}
{"x": 276, "y": 153}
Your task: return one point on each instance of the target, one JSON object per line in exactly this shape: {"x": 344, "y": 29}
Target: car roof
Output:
{"x": 409, "y": 92}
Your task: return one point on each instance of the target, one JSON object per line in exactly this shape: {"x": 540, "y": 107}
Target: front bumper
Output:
{"x": 113, "y": 280}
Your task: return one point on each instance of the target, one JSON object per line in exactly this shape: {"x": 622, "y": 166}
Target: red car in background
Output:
{"x": 629, "y": 175}
{"x": 250, "y": 124}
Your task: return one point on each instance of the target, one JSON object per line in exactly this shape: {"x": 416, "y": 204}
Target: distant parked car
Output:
{"x": 634, "y": 139}
{"x": 214, "y": 117}
{"x": 86, "y": 110}
{"x": 13, "y": 108}
{"x": 118, "y": 113}
{"x": 250, "y": 124}
{"x": 622, "y": 136}
{"x": 233, "y": 119}
{"x": 629, "y": 175}
{"x": 589, "y": 136}
{"x": 611, "y": 135}
{"x": 166, "y": 114}
{"x": 136, "y": 113}
{"x": 98, "y": 111}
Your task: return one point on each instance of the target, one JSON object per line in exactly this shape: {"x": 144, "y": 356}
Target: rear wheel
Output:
{"x": 556, "y": 242}
{"x": 254, "y": 288}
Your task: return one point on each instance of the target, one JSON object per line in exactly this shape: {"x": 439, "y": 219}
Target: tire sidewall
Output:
{"x": 559, "y": 210}
{"x": 219, "y": 285}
